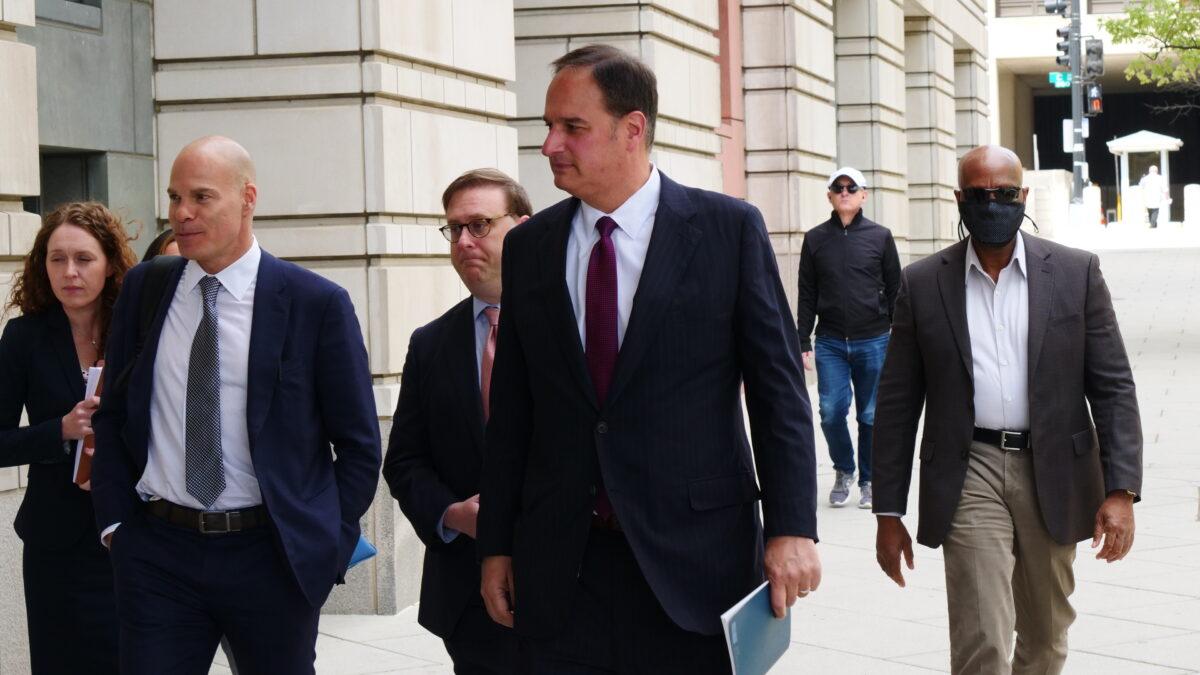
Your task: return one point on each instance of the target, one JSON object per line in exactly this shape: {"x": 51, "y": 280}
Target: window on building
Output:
{"x": 1020, "y": 8}
{"x": 66, "y": 177}
{"x": 1107, "y": 6}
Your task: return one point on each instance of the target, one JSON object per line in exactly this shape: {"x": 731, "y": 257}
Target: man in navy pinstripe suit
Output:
{"x": 619, "y": 509}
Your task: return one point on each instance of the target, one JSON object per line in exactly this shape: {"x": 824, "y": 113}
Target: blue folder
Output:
{"x": 755, "y": 638}
{"x": 362, "y": 551}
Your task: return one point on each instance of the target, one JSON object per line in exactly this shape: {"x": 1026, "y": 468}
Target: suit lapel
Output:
{"x": 141, "y": 379}
{"x": 1041, "y": 291}
{"x": 672, "y": 243}
{"x": 268, "y": 333}
{"x": 459, "y": 354}
{"x": 63, "y": 345}
{"x": 552, "y": 286}
{"x": 952, "y": 285}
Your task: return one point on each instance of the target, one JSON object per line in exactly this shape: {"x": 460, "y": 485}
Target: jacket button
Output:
{"x": 602, "y": 428}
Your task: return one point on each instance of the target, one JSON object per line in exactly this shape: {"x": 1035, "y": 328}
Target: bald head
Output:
{"x": 213, "y": 196}
{"x": 989, "y": 166}
{"x": 224, "y": 153}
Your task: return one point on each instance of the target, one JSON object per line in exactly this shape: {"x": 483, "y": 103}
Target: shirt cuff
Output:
{"x": 107, "y": 531}
{"x": 888, "y": 513}
{"x": 446, "y": 534}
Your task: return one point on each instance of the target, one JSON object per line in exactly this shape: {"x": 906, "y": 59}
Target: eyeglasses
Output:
{"x": 837, "y": 188}
{"x": 1004, "y": 195}
{"x": 478, "y": 228}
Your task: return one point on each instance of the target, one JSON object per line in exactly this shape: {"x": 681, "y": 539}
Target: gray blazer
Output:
{"x": 1076, "y": 359}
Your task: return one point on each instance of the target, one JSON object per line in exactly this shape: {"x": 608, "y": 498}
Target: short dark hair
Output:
{"x": 518, "y": 199}
{"x": 626, "y": 83}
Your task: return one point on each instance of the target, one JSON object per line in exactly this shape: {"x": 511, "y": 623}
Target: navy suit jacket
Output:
{"x": 308, "y": 392}
{"x": 39, "y": 371}
{"x": 709, "y": 315}
{"x": 435, "y": 455}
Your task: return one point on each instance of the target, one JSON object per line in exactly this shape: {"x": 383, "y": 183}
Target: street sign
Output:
{"x": 1060, "y": 80}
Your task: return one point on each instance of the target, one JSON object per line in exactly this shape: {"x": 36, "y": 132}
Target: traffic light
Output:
{"x": 1095, "y": 100}
{"x": 1093, "y": 60}
{"x": 1064, "y": 46}
{"x": 1057, "y": 6}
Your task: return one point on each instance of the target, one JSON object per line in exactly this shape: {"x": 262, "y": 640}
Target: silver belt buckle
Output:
{"x": 1004, "y": 441}
{"x": 219, "y": 523}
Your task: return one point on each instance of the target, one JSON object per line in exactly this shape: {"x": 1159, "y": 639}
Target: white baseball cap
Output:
{"x": 849, "y": 172}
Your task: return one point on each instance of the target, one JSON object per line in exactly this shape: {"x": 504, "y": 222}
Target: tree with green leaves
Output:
{"x": 1168, "y": 32}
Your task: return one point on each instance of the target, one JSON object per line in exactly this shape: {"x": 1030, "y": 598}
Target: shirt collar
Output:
{"x": 235, "y": 278}
{"x": 1018, "y": 258}
{"x": 633, "y": 215}
{"x": 480, "y": 305}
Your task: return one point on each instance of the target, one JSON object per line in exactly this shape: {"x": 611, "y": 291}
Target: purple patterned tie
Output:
{"x": 600, "y": 327}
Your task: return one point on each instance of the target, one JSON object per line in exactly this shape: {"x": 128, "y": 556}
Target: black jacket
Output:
{"x": 39, "y": 372}
{"x": 435, "y": 455}
{"x": 849, "y": 277}
{"x": 670, "y": 439}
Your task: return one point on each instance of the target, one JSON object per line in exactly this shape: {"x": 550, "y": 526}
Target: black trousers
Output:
{"x": 480, "y": 646}
{"x": 71, "y": 609}
{"x": 179, "y": 591}
{"x": 618, "y": 626}
{"x": 1153, "y": 217}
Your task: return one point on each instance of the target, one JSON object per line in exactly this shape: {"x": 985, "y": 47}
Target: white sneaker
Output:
{"x": 864, "y": 500}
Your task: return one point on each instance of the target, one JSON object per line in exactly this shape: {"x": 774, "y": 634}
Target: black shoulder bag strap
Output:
{"x": 154, "y": 292}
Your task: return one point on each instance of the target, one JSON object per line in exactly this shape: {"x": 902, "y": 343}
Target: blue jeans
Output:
{"x": 841, "y": 363}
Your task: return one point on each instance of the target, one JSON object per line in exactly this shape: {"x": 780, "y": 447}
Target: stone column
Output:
{"x": 676, "y": 38}
{"x": 871, "y": 106}
{"x": 932, "y": 142}
{"x": 358, "y": 115}
{"x": 19, "y": 178}
{"x": 791, "y": 122}
{"x": 971, "y": 87}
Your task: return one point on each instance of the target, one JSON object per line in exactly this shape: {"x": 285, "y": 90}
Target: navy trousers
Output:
{"x": 618, "y": 627}
{"x": 179, "y": 591}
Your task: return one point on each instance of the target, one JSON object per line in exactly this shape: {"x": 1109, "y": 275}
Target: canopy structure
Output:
{"x": 1138, "y": 142}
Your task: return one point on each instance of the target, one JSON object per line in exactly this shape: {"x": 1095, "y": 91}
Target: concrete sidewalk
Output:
{"x": 1141, "y": 615}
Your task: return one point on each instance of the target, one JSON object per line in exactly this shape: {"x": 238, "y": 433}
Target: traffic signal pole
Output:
{"x": 1078, "y": 156}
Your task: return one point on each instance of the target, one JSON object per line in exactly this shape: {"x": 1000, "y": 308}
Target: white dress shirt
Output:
{"x": 998, "y": 321}
{"x": 164, "y": 475}
{"x": 631, "y": 239}
{"x": 482, "y": 328}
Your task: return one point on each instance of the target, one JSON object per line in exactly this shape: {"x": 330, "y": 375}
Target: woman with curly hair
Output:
{"x": 65, "y": 297}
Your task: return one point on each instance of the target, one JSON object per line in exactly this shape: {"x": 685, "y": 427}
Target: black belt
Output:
{"x": 208, "y": 522}
{"x": 1012, "y": 441}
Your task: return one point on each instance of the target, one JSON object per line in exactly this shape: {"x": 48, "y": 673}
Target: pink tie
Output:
{"x": 489, "y": 356}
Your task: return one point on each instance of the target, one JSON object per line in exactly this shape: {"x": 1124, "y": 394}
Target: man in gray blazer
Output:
{"x": 1006, "y": 339}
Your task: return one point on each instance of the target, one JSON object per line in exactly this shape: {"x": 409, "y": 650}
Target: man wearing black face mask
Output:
{"x": 1006, "y": 340}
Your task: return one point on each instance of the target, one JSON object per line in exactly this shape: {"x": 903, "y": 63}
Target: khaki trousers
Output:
{"x": 1004, "y": 572}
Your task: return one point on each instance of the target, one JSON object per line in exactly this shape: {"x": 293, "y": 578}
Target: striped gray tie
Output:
{"x": 205, "y": 470}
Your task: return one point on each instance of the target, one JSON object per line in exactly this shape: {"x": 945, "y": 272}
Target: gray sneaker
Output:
{"x": 840, "y": 493}
{"x": 864, "y": 500}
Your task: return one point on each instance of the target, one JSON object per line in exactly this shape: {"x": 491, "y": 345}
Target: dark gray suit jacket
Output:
{"x": 1076, "y": 359}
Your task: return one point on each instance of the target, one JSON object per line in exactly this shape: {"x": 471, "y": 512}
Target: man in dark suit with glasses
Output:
{"x": 435, "y": 452}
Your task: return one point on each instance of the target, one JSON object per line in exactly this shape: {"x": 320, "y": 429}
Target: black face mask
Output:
{"x": 992, "y": 223}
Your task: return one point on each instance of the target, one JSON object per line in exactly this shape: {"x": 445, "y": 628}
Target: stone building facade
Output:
{"x": 359, "y": 112}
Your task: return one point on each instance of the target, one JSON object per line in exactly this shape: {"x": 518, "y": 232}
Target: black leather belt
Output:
{"x": 1012, "y": 441}
{"x": 208, "y": 522}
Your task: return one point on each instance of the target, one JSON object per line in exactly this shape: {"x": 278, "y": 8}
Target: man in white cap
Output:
{"x": 849, "y": 276}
